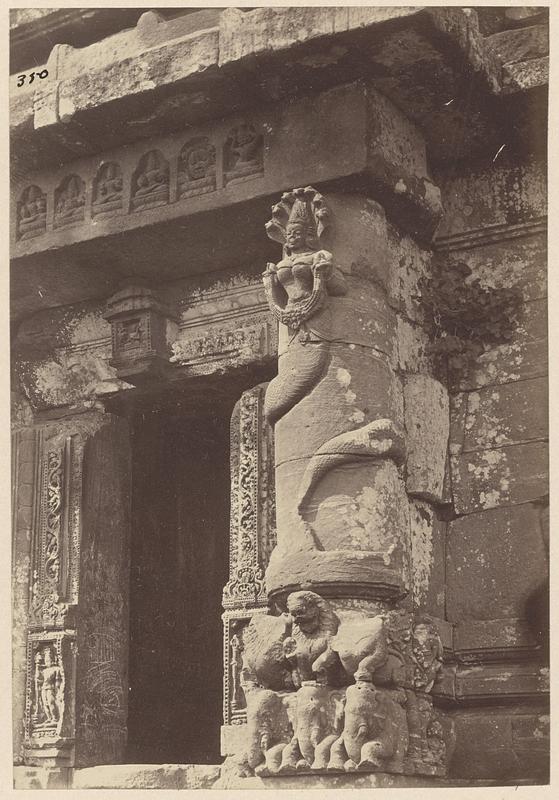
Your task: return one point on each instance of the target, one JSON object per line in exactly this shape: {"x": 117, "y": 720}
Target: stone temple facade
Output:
{"x": 278, "y": 299}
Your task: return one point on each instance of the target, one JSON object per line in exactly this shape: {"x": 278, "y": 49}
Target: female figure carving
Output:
{"x": 297, "y": 286}
{"x": 296, "y": 290}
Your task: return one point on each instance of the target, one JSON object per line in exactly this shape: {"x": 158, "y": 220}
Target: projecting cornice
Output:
{"x": 163, "y": 76}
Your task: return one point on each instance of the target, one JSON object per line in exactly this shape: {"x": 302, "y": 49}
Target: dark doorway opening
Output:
{"x": 179, "y": 564}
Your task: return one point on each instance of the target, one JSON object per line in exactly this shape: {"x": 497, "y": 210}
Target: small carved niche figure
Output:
{"x": 49, "y": 689}
{"x": 31, "y": 213}
{"x": 196, "y": 168}
{"x": 243, "y": 153}
{"x": 69, "y": 201}
{"x": 296, "y": 287}
{"x": 427, "y": 654}
{"x": 130, "y": 334}
{"x": 107, "y": 188}
{"x": 150, "y": 183}
{"x": 237, "y": 696}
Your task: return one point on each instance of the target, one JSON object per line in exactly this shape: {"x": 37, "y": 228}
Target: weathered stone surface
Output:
{"x": 169, "y": 57}
{"x": 507, "y": 194}
{"x": 410, "y": 264}
{"x": 360, "y": 241}
{"x": 458, "y": 404}
{"x": 102, "y": 667}
{"x": 518, "y": 262}
{"x": 504, "y": 414}
{"x": 42, "y": 778}
{"x": 428, "y": 535}
{"x": 530, "y": 740}
{"x": 485, "y": 638}
{"x": 75, "y": 697}
{"x": 527, "y": 681}
{"x": 502, "y": 476}
{"x": 376, "y": 780}
{"x": 146, "y": 776}
{"x": 268, "y": 29}
{"x": 518, "y": 16}
{"x": 233, "y": 739}
{"x": 356, "y": 509}
{"x": 524, "y": 357}
{"x": 335, "y": 438}
{"x": 34, "y": 31}
{"x": 526, "y": 74}
{"x": 481, "y": 679}
{"x": 495, "y": 560}
{"x": 64, "y": 356}
{"x": 427, "y": 425}
{"x": 499, "y": 758}
{"x": 23, "y": 16}
{"x": 199, "y": 50}
{"x": 521, "y": 44}
{"x": 522, "y": 680}
{"x": 341, "y": 399}
{"x": 24, "y": 465}
{"x": 142, "y": 327}
{"x": 414, "y": 352}
{"x": 21, "y": 413}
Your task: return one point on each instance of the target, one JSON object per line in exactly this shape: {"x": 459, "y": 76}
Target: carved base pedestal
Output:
{"x": 356, "y": 780}
{"x": 339, "y": 690}
{"x": 359, "y": 728}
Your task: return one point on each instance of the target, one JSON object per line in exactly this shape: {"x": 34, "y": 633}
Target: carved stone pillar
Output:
{"x": 75, "y": 505}
{"x": 336, "y": 406}
{"x": 338, "y": 675}
{"x": 252, "y": 537}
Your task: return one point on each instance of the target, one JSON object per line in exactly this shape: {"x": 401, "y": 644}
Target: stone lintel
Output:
{"x": 349, "y": 138}
{"x": 188, "y": 76}
{"x": 223, "y": 326}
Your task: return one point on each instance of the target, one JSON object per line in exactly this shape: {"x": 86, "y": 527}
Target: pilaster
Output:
{"x": 75, "y": 661}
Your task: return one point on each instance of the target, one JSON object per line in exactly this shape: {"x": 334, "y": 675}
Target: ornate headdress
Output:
{"x": 304, "y": 206}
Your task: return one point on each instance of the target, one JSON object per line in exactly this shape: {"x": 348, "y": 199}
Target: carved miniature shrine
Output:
{"x": 279, "y": 398}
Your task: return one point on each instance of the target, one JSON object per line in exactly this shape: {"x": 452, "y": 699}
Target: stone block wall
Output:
{"x": 403, "y": 443}
{"x": 497, "y": 559}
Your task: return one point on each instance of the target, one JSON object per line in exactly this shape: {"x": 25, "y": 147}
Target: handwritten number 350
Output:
{"x": 42, "y": 74}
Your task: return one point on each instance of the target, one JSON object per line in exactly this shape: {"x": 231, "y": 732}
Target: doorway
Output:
{"x": 179, "y": 565}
